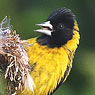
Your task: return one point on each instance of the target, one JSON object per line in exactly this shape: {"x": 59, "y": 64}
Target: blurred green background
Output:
{"x": 26, "y": 13}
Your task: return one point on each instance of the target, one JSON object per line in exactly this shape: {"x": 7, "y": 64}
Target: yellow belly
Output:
{"x": 49, "y": 65}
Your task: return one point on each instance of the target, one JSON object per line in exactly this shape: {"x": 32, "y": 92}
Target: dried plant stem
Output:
{"x": 14, "y": 61}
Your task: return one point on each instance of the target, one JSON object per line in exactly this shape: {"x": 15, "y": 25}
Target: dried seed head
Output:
{"x": 17, "y": 67}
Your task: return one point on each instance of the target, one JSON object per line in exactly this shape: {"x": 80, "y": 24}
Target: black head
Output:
{"x": 62, "y": 24}
{"x": 62, "y": 17}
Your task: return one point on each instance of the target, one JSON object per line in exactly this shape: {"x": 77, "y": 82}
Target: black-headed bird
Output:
{"x": 51, "y": 54}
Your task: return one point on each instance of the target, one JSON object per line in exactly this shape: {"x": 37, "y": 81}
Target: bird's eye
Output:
{"x": 60, "y": 25}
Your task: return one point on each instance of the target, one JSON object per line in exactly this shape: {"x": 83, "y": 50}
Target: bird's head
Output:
{"x": 58, "y": 28}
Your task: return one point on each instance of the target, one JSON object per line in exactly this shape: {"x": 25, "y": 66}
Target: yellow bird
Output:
{"x": 51, "y": 55}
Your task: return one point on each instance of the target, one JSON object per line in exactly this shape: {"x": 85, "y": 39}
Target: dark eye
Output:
{"x": 60, "y": 25}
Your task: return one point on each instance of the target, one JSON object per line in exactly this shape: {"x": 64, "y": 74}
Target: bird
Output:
{"x": 51, "y": 54}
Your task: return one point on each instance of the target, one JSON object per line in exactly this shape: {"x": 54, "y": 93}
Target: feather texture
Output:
{"x": 49, "y": 64}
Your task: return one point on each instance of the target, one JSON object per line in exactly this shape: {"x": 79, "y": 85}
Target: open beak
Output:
{"x": 46, "y": 28}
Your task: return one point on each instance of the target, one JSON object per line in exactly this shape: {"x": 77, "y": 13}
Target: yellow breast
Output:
{"x": 49, "y": 64}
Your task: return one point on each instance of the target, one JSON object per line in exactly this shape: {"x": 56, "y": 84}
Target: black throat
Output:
{"x": 56, "y": 40}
